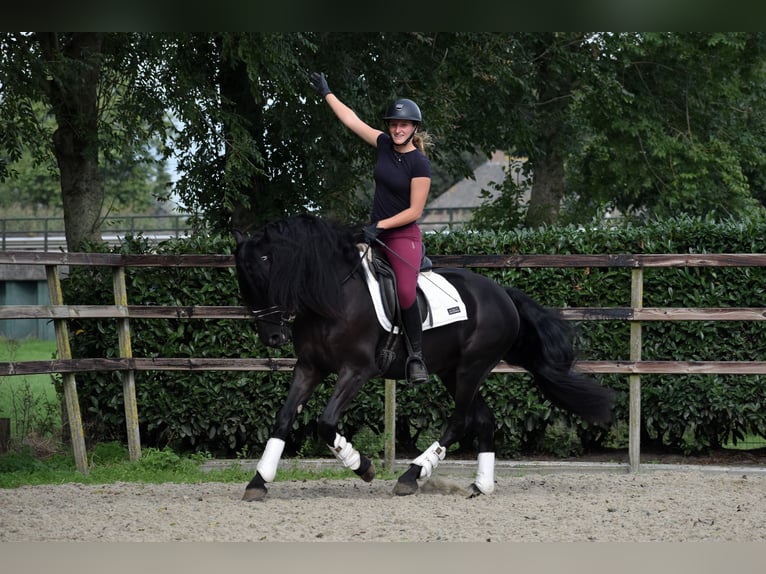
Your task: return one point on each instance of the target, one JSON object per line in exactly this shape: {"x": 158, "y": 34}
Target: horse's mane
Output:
{"x": 310, "y": 257}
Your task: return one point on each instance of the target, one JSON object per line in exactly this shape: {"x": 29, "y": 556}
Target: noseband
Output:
{"x": 266, "y": 314}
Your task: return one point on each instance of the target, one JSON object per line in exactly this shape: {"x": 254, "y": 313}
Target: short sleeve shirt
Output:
{"x": 393, "y": 173}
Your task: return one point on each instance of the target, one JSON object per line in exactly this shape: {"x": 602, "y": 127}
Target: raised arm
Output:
{"x": 346, "y": 115}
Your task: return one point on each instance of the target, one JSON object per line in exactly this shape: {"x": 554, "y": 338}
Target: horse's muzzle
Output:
{"x": 275, "y": 335}
{"x": 277, "y": 339}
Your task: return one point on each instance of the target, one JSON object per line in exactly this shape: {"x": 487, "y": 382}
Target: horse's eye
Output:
{"x": 266, "y": 258}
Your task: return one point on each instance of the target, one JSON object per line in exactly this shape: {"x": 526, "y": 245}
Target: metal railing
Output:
{"x": 47, "y": 233}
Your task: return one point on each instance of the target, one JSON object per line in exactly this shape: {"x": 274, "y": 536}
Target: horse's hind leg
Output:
{"x": 421, "y": 467}
{"x": 481, "y": 420}
{"x": 483, "y": 424}
{"x": 429, "y": 459}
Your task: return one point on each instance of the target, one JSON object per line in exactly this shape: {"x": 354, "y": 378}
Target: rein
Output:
{"x": 357, "y": 266}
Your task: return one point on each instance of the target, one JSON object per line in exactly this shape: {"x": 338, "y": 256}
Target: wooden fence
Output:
{"x": 635, "y": 313}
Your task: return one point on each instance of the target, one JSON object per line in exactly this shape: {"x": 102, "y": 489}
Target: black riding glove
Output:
{"x": 319, "y": 83}
{"x": 371, "y": 233}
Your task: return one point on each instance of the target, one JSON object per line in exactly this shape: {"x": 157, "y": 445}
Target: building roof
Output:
{"x": 467, "y": 192}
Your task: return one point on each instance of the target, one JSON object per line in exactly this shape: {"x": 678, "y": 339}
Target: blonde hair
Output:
{"x": 422, "y": 140}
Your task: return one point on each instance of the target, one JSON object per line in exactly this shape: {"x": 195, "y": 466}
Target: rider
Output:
{"x": 402, "y": 182}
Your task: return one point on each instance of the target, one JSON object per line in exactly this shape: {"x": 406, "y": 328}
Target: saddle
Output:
{"x": 439, "y": 302}
{"x": 384, "y": 274}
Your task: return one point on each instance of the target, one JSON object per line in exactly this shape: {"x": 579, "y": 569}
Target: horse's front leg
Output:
{"x": 349, "y": 382}
{"x": 305, "y": 380}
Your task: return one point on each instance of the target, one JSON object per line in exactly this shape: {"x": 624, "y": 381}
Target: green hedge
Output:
{"x": 232, "y": 413}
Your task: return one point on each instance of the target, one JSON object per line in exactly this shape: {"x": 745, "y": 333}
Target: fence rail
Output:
{"x": 127, "y": 365}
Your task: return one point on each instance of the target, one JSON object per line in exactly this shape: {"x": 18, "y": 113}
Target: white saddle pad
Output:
{"x": 445, "y": 305}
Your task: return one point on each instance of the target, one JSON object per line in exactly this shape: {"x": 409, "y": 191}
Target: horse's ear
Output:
{"x": 239, "y": 237}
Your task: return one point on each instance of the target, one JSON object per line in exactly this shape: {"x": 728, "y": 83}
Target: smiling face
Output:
{"x": 401, "y": 130}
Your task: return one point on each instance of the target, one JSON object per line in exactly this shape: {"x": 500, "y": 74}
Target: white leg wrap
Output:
{"x": 485, "y": 475}
{"x": 430, "y": 458}
{"x": 267, "y": 466}
{"x": 346, "y": 454}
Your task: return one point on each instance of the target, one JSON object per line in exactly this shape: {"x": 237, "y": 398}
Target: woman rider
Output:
{"x": 402, "y": 182}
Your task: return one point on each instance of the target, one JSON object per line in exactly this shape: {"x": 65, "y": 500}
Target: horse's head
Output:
{"x": 294, "y": 266}
{"x": 274, "y": 330}
{"x": 254, "y": 261}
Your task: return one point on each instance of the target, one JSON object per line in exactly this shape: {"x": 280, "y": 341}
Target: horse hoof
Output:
{"x": 474, "y": 491}
{"x": 405, "y": 488}
{"x": 366, "y": 470}
{"x": 369, "y": 474}
{"x": 254, "y": 494}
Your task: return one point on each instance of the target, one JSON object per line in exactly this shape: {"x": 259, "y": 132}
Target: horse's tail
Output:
{"x": 545, "y": 349}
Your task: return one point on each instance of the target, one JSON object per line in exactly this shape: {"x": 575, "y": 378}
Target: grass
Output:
{"x": 26, "y": 350}
{"x": 109, "y": 463}
{"x": 30, "y": 401}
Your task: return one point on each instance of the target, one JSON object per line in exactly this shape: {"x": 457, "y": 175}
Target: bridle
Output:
{"x": 266, "y": 314}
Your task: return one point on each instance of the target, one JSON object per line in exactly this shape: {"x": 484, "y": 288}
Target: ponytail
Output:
{"x": 421, "y": 140}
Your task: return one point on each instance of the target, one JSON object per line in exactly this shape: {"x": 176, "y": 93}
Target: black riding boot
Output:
{"x": 415, "y": 367}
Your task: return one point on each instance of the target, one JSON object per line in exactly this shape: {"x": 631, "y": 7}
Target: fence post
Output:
{"x": 77, "y": 436}
{"x": 389, "y": 431}
{"x": 634, "y": 439}
{"x": 128, "y": 377}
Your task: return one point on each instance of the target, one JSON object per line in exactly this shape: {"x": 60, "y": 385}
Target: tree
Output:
{"x": 652, "y": 124}
{"x": 553, "y": 67}
{"x": 270, "y": 147}
{"x": 648, "y": 123}
{"x": 98, "y": 88}
{"x": 130, "y": 186}
{"x": 676, "y": 124}
{"x": 241, "y": 148}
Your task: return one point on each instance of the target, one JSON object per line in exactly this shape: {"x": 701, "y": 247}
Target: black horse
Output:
{"x": 306, "y": 270}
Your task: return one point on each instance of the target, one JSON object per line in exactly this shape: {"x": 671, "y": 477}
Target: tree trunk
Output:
{"x": 250, "y": 208}
{"x": 75, "y": 64}
{"x": 547, "y": 191}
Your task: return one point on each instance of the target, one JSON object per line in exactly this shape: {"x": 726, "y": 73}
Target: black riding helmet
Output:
{"x": 403, "y": 109}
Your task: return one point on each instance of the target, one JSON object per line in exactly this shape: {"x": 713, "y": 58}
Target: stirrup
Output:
{"x": 415, "y": 369}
